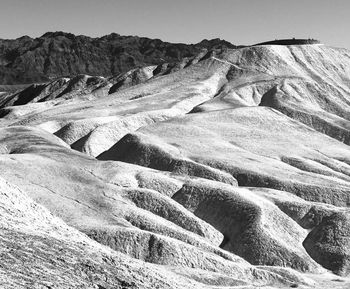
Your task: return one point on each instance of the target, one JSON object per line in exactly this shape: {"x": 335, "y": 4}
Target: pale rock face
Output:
{"x": 229, "y": 169}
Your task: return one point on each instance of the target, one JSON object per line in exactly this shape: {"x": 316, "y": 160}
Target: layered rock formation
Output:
{"x": 224, "y": 169}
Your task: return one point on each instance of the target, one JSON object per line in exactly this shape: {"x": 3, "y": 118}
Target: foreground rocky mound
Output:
{"x": 328, "y": 243}
{"x": 227, "y": 169}
{"x": 41, "y": 251}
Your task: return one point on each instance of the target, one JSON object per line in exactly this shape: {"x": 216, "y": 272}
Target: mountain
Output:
{"x": 229, "y": 168}
{"x": 59, "y": 54}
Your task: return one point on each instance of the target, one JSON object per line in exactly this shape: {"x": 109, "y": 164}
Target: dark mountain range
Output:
{"x": 57, "y": 54}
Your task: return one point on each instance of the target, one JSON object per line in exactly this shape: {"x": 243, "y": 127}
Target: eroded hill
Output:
{"x": 225, "y": 169}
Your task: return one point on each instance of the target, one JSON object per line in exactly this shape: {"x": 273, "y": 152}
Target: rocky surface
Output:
{"x": 226, "y": 169}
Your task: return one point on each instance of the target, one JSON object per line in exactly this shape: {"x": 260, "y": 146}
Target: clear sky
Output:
{"x": 188, "y": 21}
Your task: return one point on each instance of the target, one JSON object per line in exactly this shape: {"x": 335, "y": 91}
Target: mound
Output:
{"x": 252, "y": 226}
{"x": 329, "y": 242}
{"x": 292, "y": 41}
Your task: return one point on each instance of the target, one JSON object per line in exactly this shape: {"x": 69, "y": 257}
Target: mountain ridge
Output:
{"x": 61, "y": 54}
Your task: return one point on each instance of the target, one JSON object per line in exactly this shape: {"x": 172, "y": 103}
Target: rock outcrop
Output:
{"x": 328, "y": 243}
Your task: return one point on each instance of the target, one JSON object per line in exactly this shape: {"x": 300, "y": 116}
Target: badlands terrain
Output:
{"x": 214, "y": 167}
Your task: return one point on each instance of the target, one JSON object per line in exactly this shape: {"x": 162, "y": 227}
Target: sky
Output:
{"x": 241, "y": 22}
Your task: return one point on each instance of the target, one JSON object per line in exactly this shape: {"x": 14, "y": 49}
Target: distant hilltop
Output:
{"x": 290, "y": 41}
